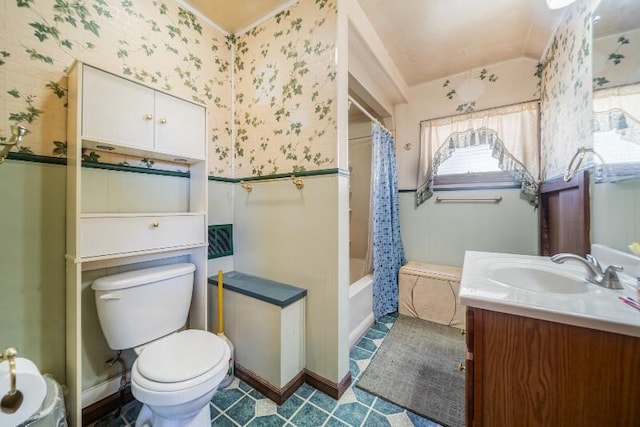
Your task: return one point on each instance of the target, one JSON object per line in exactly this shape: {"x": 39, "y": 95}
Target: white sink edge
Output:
{"x": 599, "y": 308}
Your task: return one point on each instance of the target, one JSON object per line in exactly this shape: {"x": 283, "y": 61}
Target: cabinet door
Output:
{"x": 179, "y": 127}
{"x": 116, "y": 111}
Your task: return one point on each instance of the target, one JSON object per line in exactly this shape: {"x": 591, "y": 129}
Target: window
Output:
{"x": 616, "y": 137}
{"x": 615, "y": 158}
{"x": 490, "y": 146}
{"x": 471, "y": 165}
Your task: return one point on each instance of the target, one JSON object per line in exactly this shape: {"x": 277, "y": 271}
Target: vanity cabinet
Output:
{"x": 522, "y": 371}
{"x": 105, "y": 228}
{"x": 138, "y": 119}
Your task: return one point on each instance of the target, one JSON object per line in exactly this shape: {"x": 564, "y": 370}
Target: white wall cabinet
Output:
{"x": 150, "y": 123}
{"x": 105, "y": 109}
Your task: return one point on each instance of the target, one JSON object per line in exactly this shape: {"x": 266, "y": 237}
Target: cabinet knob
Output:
{"x": 461, "y": 367}
{"x": 463, "y": 331}
{"x": 148, "y": 117}
{"x": 163, "y": 121}
{"x": 155, "y": 224}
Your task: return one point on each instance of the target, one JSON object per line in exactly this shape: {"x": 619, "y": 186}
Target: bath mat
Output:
{"x": 416, "y": 367}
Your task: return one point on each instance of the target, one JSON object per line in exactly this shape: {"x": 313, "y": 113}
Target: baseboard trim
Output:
{"x": 326, "y": 386}
{"x": 277, "y": 394}
{"x": 102, "y": 407}
{"x": 102, "y": 391}
{"x": 99, "y": 409}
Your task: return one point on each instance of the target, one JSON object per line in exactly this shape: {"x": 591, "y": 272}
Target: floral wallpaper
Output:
{"x": 285, "y": 92}
{"x": 470, "y": 89}
{"x": 565, "y": 92}
{"x": 157, "y": 43}
{"x": 616, "y": 59}
{"x": 489, "y": 86}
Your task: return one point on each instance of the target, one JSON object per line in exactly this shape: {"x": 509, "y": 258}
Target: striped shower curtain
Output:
{"x": 388, "y": 251}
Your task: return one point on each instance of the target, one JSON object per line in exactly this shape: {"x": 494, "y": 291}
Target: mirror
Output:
{"x": 615, "y": 195}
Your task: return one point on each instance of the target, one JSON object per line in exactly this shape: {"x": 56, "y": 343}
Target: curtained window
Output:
{"x": 616, "y": 132}
{"x": 509, "y": 135}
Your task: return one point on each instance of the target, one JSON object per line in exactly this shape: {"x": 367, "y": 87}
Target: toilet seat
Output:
{"x": 180, "y": 362}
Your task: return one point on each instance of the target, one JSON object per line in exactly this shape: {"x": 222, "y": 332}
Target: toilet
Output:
{"x": 177, "y": 371}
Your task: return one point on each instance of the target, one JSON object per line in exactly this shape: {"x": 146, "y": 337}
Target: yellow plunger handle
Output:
{"x": 220, "y": 286}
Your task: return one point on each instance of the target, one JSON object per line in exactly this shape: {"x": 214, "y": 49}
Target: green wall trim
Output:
{"x": 123, "y": 168}
{"x": 300, "y": 174}
{"x": 407, "y": 191}
{"x": 223, "y": 179}
{"x": 28, "y": 157}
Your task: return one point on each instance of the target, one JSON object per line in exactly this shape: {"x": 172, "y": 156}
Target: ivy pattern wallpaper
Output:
{"x": 565, "y": 91}
{"x": 616, "y": 59}
{"x": 285, "y": 92}
{"x": 157, "y": 43}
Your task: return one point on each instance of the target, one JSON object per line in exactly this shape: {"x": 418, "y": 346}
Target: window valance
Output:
{"x": 510, "y": 132}
{"x": 616, "y": 133}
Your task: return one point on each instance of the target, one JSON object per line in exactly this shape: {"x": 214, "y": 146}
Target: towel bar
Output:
{"x": 497, "y": 199}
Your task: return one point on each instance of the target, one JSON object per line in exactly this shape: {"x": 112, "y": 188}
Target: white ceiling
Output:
{"x": 428, "y": 39}
{"x": 614, "y": 17}
{"x": 431, "y": 39}
{"x": 236, "y": 15}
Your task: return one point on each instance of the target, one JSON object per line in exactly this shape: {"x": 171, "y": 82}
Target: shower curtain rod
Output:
{"x": 368, "y": 114}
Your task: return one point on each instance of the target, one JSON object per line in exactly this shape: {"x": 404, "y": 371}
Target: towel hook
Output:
{"x": 573, "y": 167}
{"x": 298, "y": 182}
{"x": 247, "y": 186}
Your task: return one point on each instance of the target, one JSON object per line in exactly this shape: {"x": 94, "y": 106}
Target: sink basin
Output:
{"x": 537, "y": 278}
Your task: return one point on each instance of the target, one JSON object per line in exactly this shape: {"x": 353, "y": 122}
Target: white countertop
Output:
{"x": 594, "y": 308}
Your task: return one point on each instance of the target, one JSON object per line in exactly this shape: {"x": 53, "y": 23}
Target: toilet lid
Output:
{"x": 181, "y": 357}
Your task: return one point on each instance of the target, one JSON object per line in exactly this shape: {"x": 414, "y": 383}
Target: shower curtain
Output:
{"x": 388, "y": 251}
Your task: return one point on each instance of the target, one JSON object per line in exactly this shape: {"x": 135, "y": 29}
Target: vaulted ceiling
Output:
{"x": 236, "y": 15}
{"x": 428, "y": 39}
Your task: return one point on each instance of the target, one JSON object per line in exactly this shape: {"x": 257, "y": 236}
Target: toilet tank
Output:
{"x": 142, "y": 305}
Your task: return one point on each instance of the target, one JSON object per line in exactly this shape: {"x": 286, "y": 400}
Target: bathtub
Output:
{"x": 360, "y": 308}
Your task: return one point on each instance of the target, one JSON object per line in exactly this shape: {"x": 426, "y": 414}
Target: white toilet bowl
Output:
{"x": 176, "y": 376}
{"x": 176, "y": 373}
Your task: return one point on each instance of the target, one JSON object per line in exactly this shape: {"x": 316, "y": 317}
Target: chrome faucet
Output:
{"x": 607, "y": 279}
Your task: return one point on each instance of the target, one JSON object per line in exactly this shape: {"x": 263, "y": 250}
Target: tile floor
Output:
{"x": 241, "y": 405}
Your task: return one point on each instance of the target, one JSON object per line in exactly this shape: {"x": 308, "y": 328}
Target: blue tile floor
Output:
{"x": 241, "y": 405}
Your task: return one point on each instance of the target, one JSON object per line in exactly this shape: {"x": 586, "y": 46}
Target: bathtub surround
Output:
{"x": 388, "y": 251}
{"x": 360, "y": 308}
{"x": 359, "y": 198}
{"x": 430, "y": 292}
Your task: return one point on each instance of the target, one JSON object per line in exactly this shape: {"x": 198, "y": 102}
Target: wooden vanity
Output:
{"x": 522, "y": 371}
{"x": 544, "y": 359}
